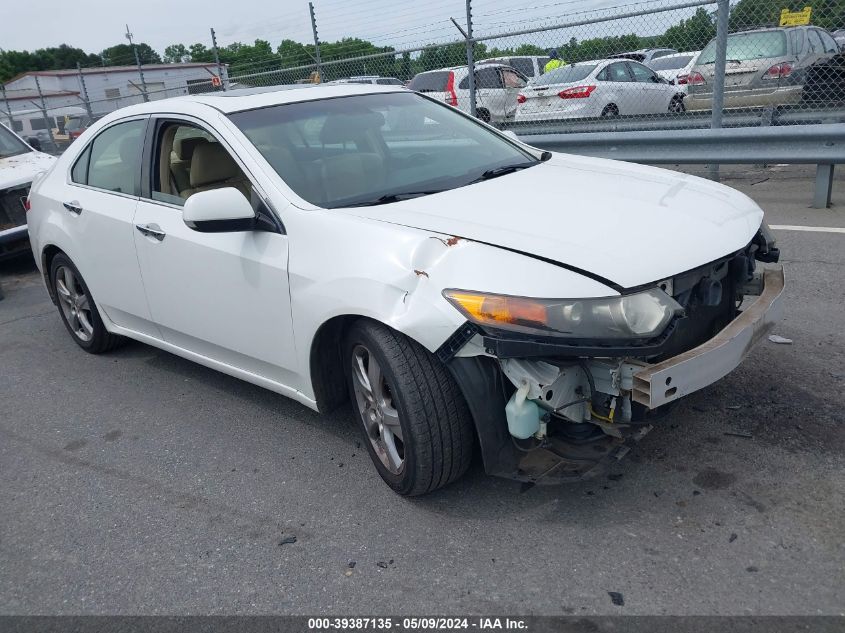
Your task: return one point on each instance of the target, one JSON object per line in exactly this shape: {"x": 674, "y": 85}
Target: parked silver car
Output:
{"x": 765, "y": 67}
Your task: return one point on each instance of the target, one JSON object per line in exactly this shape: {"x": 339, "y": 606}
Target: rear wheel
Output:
{"x": 610, "y": 110}
{"x": 417, "y": 426}
{"x": 77, "y": 308}
{"x": 676, "y": 105}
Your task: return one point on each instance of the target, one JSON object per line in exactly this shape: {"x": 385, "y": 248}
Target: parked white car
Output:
{"x": 370, "y": 244}
{"x": 675, "y": 68}
{"x": 599, "y": 88}
{"x": 20, "y": 164}
{"x": 496, "y": 89}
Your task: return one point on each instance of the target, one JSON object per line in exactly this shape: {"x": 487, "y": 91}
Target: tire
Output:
{"x": 78, "y": 309}
{"x": 609, "y": 111}
{"x": 418, "y": 399}
{"x": 676, "y": 105}
{"x": 483, "y": 115}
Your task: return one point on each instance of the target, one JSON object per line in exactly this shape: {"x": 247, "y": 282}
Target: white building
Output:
{"x": 107, "y": 88}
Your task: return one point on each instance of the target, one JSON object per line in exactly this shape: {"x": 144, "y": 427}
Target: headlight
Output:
{"x": 639, "y": 315}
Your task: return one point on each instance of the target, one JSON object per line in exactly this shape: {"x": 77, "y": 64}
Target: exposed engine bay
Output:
{"x": 571, "y": 407}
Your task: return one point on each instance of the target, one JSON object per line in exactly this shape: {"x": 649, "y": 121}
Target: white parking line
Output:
{"x": 814, "y": 229}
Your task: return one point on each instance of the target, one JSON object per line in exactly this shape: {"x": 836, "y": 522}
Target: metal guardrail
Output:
{"x": 748, "y": 117}
{"x": 822, "y": 145}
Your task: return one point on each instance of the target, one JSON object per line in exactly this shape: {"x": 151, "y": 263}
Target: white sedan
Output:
{"x": 370, "y": 244}
{"x": 599, "y": 88}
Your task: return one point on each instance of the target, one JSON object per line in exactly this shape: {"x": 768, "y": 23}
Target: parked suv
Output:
{"x": 675, "y": 68}
{"x": 496, "y": 89}
{"x": 528, "y": 65}
{"x": 19, "y": 164}
{"x": 765, "y": 67}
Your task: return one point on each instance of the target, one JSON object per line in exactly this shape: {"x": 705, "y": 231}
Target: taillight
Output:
{"x": 682, "y": 79}
{"x": 521, "y": 99}
{"x": 579, "y": 92}
{"x": 695, "y": 79}
{"x": 27, "y": 205}
{"x": 452, "y": 98}
{"x": 778, "y": 70}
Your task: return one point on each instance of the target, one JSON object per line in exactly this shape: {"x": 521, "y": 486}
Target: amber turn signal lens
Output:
{"x": 483, "y": 308}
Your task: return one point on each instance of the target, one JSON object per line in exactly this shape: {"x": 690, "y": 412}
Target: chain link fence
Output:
{"x": 655, "y": 64}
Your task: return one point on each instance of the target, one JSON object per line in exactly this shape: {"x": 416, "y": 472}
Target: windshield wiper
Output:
{"x": 502, "y": 171}
{"x": 390, "y": 197}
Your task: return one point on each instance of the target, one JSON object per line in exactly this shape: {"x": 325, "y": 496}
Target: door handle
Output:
{"x": 151, "y": 230}
{"x": 73, "y": 207}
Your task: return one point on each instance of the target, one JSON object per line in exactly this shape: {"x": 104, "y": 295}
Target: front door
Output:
{"x": 221, "y": 295}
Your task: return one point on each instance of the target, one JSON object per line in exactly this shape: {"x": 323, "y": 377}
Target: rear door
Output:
{"x": 513, "y": 83}
{"x": 490, "y": 91}
{"x": 618, "y": 88}
{"x": 100, "y": 203}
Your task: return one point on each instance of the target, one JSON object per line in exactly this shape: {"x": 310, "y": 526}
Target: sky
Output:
{"x": 96, "y": 24}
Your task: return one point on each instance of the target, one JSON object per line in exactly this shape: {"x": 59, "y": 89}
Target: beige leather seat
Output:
{"x": 213, "y": 168}
{"x": 352, "y": 172}
{"x": 183, "y": 148}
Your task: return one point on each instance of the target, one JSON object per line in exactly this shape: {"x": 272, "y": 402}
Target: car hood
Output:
{"x": 628, "y": 224}
{"x": 21, "y": 169}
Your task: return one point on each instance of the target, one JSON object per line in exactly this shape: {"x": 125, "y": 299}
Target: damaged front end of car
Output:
{"x": 560, "y": 388}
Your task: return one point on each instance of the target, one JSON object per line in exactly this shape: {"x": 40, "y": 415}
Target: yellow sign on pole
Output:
{"x": 795, "y": 18}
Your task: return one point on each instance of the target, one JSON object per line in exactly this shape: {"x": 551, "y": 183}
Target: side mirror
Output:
{"x": 219, "y": 211}
{"x": 34, "y": 143}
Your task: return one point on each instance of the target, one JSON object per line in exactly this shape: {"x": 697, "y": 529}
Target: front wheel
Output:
{"x": 417, "y": 426}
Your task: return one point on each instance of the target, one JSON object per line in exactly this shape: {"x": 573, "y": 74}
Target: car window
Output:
{"x": 79, "y": 172}
{"x": 828, "y": 42}
{"x": 814, "y": 42}
{"x": 525, "y": 65}
{"x": 115, "y": 158}
{"x": 615, "y": 72}
{"x": 564, "y": 75}
{"x": 671, "y": 63}
{"x": 541, "y": 63}
{"x": 431, "y": 82}
{"x": 796, "y": 37}
{"x": 512, "y": 80}
{"x": 11, "y": 145}
{"x": 663, "y": 53}
{"x": 389, "y": 81}
{"x": 488, "y": 78}
{"x": 372, "y": 146}
{"x": 747, "y": 46}
{"x": 643, "y": 74}
{"x": 189, "y": 159}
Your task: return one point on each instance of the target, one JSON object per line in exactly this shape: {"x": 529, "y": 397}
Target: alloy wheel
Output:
{"x": 74, "y": 304}
{"x": 378, "y": 409}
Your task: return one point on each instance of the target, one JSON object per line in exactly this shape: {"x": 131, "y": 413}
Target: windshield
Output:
{"x": 564, "y": 75}
{"x": 670, "y": 63}
{"x": 375, "y": 148}
{"x": 11, "y": 145}
{"x": 745, "y": 46}
{"x": 431, "y": 82}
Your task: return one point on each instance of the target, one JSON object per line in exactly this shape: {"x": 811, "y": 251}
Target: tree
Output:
{"x": 176, "y": 53}
{"x": 122, "y": 55}
{"x": 691, "y": 34}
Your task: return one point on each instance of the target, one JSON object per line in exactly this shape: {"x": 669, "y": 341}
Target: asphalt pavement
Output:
{"x": 138, "y": 482}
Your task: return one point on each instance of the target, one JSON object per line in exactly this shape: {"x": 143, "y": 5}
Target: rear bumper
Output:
{"x": 788, "y": 95}
{"x": 701, "y": 366}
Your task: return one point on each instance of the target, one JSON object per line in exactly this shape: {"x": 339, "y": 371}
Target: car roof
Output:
{"x": 252, "y": 98}
{"x": 683, "y": 54}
